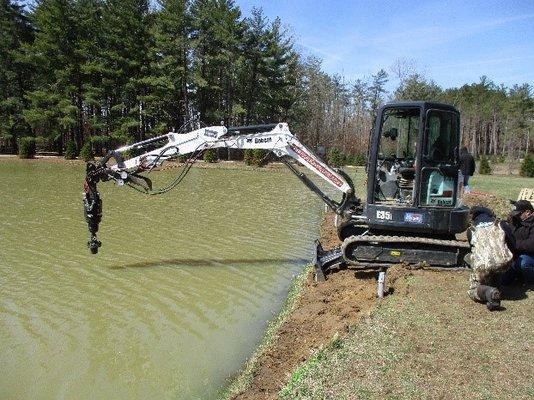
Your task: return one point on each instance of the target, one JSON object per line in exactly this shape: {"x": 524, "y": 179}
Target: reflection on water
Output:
{"x": 174, "y": 302}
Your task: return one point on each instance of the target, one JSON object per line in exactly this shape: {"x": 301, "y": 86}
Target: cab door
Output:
{"x": 439, "y": 161}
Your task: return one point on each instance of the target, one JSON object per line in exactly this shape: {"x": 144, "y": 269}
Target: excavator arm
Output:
{"x": 275, "y": 138}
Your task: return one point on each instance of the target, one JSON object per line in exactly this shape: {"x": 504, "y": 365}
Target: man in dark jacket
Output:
{"x": 522, "y": 224}
{"x": 467, "y": 166}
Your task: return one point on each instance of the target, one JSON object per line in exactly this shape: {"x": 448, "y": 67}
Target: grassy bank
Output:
{"x": 427, "y": 340}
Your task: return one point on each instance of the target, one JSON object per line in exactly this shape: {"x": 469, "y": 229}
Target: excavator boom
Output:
{"x": 274, "y": 138}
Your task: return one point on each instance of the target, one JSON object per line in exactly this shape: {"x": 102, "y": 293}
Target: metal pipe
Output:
{"x": 310, "y": 185}
{"x": 251, "y": 128}
{"x": 381, "y": 283}
{"x": 143, "y": 143}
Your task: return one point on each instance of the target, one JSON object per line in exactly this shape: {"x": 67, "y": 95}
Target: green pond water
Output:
{"x": 177, "y": 298}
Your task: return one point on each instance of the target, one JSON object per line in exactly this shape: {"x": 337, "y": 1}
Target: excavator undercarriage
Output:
{"x": 378, "y": 252}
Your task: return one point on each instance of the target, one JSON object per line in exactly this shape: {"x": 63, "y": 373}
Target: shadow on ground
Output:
{"x": 211, "y": 262}
{"x": 516, "y": 292}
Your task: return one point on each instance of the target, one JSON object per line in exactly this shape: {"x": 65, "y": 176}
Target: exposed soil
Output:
{"x": 329, "y": 237}
{"x": 322, "y": 310}
{"x": 500, "y": 206}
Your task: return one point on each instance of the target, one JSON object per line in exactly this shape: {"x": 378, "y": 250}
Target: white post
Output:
{"x": 381, "y": 281}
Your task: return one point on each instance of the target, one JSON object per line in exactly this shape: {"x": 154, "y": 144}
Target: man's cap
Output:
{"x": 481, "y": 214}
{"x": 521, "y": 206}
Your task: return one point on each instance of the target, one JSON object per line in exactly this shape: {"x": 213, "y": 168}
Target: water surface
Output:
{"x": 175, "y": 301}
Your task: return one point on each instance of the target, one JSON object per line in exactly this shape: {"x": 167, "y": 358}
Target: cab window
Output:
{"x": 442, "y": 137}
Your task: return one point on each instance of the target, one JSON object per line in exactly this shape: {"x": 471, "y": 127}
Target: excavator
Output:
{"x": 413, "y": 209}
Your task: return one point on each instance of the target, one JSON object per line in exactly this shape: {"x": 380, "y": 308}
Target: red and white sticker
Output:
{"x": 315, "y": 164}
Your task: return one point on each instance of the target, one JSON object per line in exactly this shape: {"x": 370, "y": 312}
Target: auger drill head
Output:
{"x": 94, "y": 244}
{"x": 92, "y": 206}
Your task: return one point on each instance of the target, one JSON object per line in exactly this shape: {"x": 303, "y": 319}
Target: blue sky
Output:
{"x": 451, "y": 42}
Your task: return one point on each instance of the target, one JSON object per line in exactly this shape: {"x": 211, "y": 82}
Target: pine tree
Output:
{"x": 484, "y": 167}
{"x": 252, "y": 80}
{"x": 280, "y": 73}
{"x": 256, "y": 157}
{"x": 90, "y": 47}
{"x": 210, "y": 156}
{"x": 125, "y": 65}
{"x": 377, "y": 90}
{"x": 16, "y": 80}
{"x": 167, "y": 103}
{"x": 268, "y": 73}
{"x": 55, "y": 105}
{"x": 335, "y": 158}
{"x": 86, "y": 152}
{"x": 215, "y": 38}
{"x": 527, "y": 166}
{"x": 416, "y": 87}
{"x": 26, "y": 147}
{"x": 70, "y": 150}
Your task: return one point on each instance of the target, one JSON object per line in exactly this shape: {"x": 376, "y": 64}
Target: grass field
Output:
{"x": 427, "y": 341}
{"x": 506, "y": 186}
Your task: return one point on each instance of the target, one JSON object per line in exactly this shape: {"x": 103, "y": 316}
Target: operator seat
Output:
{"x": 407, "y": 173}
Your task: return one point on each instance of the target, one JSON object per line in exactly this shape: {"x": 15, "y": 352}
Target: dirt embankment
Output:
{"x": 321, "y": 311}
{"x": 438, "y": 307}
{"x": 412, "y": 345}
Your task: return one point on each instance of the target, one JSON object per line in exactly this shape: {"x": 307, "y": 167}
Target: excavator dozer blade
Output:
{"x": 324, "y": 260}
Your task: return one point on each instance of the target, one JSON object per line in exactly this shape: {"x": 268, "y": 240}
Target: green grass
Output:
{"x": 304, "y": 369}
{"x": 433, "y": 342}
{"x": 501, "y": 185}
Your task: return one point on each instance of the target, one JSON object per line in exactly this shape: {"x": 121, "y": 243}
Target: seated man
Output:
{"x": 522, "y": 224}
{"x": 490, "y": 256}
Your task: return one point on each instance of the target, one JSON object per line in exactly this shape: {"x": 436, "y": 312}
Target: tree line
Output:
{"x": 104, "y": 72}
